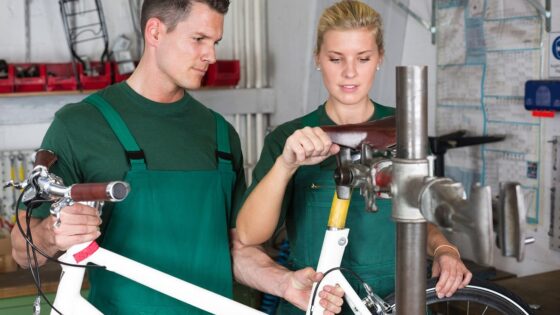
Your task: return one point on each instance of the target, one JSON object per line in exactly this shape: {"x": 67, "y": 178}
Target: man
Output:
{"x": 185, "y": 168}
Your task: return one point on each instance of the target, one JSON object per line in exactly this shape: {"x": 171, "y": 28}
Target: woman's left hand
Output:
{"x": 452, "y": 272}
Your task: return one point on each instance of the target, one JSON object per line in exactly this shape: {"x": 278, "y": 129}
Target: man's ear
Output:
{"x": 154, "y": 28}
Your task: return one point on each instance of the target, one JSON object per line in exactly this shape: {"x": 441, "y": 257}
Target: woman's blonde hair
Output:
{"x": 350, "y": 15}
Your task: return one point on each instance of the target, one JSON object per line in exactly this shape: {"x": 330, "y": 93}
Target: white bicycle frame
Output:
{"x": 69, "y": 300}
{"x": 332, "y": 251}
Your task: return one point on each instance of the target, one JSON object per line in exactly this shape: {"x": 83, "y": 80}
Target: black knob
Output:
{"x": 343, "y": 176}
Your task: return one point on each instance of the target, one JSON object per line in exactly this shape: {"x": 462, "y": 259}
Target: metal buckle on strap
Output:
{"x": 135, "y": 155}
{"x": 224, "y": 155}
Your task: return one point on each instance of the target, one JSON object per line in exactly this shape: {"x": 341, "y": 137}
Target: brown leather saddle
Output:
{"x": 380, "y": 134}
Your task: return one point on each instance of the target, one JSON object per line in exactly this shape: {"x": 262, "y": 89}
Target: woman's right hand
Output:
{"x": 307, "y": 146}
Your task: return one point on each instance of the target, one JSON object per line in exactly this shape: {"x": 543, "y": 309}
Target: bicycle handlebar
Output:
{"x": 45, "y": 158}
{"x": 48, "y": 185}
{"x": 111, "y": 191}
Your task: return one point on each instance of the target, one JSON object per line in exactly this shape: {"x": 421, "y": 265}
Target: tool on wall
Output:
{"x": 27, "y": 18}
{"x": 84, "y": 21}
{"x": 554, "y": 231}
{"x": 440, "y": 144}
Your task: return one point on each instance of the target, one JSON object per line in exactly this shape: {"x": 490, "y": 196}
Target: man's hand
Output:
{"x": 452, "y": 273}
{"x": 298, "y": 291}
{"x": 78, "y": 224}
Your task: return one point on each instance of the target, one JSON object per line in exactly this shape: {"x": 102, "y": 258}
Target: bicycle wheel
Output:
{"x": 478, "y": 298}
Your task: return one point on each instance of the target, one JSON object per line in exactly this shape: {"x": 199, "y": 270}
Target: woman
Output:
{"x": 293, "y": 178}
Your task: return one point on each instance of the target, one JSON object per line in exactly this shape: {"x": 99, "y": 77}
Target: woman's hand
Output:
{"x": 307, "y": 146}
{"x": 452, "y": 272}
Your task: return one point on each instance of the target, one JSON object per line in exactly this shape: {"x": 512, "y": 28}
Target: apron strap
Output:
{"x": 223, "y": 152}
{"x": 134, "y": 154}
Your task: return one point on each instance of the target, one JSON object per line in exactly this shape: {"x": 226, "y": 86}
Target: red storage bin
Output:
{"x": 98, "y": 81}
{"x": 7, "y": 84}
{"x": 30, "y": 84}
{"x": 222, "y": 73}
{"x": 60, "y": 77}
{"x": 117, "y": 76}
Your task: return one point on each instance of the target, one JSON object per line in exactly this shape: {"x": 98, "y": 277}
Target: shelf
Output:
{"x": 28, "y": 115}
{"x": 44, "y": 93}
{"x": 39, "y": 107}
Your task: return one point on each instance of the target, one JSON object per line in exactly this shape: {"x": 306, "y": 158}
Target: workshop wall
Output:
{"x": 47, "y": 37}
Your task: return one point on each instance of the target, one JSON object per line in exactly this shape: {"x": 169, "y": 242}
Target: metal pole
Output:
{"x": 410, "y": 168}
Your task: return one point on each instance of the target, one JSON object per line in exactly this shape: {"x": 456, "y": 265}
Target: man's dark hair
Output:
{"x": 171, "y": 12}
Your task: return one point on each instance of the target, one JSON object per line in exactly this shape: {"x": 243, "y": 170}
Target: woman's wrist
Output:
{"x": 446, "y": 249}
{"x": 287, "y": 169}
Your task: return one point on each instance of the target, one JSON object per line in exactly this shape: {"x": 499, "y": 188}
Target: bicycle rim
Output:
{"x": 478, "y": 298}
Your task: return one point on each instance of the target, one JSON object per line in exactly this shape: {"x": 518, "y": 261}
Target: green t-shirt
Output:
{"x": 274, "y": 145}
{"x": 178, "y": 136}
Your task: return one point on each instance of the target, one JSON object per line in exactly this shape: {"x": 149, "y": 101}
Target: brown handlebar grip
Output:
{"x": 112, "y": 191}
{"x": 45, "y": 158}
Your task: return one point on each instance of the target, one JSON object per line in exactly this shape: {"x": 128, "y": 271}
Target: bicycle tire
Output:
{"x": 493, "y": 299}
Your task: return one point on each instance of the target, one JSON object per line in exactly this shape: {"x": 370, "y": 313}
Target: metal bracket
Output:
{"x": 544, "y": 11}
{"x": 430, "y": 26}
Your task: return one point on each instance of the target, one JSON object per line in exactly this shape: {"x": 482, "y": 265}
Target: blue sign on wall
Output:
{"x": 542, "y": 95}
{"x": 556, "y": 48}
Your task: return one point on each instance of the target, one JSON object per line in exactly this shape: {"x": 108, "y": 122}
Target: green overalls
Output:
{"x": 173, "y": 221}
{"x": 371, "y": 243}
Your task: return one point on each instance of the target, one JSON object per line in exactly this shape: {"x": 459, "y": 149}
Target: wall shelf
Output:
{"x": 26, "y": 116}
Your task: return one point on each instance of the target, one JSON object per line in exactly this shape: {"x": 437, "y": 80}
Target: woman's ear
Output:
{"x": 317, "y": 64}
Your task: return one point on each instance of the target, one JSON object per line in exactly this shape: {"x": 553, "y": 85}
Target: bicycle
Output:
{"x": 43, "y": 186}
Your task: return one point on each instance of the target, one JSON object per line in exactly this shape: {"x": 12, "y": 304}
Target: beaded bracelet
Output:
{"x": 450, "y": 246}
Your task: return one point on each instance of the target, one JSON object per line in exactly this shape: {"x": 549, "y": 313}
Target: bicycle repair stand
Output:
{"x": 416, "y": 193}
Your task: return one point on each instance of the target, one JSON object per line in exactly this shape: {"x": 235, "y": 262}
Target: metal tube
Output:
{"x": 412, "y": 100}
{"x": 410, "y": 167}
{"x": 411, "y": 269}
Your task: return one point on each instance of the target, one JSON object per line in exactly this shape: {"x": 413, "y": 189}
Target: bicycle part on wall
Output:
{"x": 457, "y": 139}
{"x": 92, "y": 28}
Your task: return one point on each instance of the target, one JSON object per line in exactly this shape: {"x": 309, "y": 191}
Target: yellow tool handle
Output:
{"x": 339, "y": 212}
{"x": 21, "y": 172}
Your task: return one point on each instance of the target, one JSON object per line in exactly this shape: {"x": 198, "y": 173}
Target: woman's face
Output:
{"x": 348, "y": 60}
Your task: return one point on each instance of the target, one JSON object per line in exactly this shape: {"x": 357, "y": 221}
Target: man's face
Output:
{"x": 185, "y": 53}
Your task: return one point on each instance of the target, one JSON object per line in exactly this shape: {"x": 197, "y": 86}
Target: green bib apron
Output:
{"x": 173, "y": 221}
{"x": 371, "y": 243}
